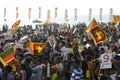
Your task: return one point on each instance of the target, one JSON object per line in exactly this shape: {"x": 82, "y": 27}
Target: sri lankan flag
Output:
{"x": 16, "y": 26}
{"x": 36, "y": 47}
{"x": 116, "y": 18}
{"x": 7, "y": 56}
{"x": 97, "y": 33}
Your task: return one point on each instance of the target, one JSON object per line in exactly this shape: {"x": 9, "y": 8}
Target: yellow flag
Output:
{"x": 97, "y": 33}
{"x": 34, "y": 46}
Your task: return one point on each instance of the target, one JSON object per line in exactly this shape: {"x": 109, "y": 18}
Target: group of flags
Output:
{"x": 95, "y": 30}
{"x": 56, "y": 13}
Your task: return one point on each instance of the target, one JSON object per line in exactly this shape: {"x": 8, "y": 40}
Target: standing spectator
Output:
{"x": 77, "y": 73}
{"x": 10, "y": 75}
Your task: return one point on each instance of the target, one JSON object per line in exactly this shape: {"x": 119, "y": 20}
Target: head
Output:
{"x": 8, "y": 68}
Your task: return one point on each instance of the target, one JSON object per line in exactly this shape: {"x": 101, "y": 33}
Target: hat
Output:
{"x": 54, "y": 67}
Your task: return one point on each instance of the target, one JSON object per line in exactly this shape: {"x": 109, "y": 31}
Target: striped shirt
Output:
{"x": 77, "y": 74}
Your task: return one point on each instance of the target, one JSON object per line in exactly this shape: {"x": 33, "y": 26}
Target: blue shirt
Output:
{"x": 77, "y": 74}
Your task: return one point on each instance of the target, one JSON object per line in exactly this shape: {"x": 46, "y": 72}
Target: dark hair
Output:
{"x": 103, "y": 77}
{"x": 8, "y": 68}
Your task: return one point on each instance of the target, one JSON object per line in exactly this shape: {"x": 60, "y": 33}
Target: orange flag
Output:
{"x": 48, "y": 15}
{"x": 17, "y": 14}
{"x": 29, "y": 13}
{"x": 39, "y": 12}
{"x": 66, "y": 14}
{"x": 97, "y": 33}
{"x": 5, "y": 12}
{"x": 16, "y": 24}
{"x": 116, "y": 18}
{"x": 7, "y": 56}
{"x": 34, "y": 46}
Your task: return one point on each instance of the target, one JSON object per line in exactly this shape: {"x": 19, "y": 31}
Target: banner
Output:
{"x": 100, "y": 17}
{"x": 5, "y": 12}
{"x": 48, "y": 15}
{"x": 56, "y": 12}
{"x": 111, "y": 13}
{"x": 116, "y": 18}
{"x": 96, "y": 32}
{"x": 39, "y": 12}
{"x": 90, "y": 14}
{"x": 36, "y": 47}
{"x": 66, "y": 14}
{"x": 75, "y": 17}
{"x": 17, "y": 14}
{"x": 7, "y": 56}
{"x": 29, "y": 13}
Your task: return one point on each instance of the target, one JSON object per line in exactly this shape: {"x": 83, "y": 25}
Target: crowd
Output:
{"x": 74, "y": 56}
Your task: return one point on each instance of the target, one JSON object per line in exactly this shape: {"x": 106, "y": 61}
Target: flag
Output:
{"x": 17, "y": 14}
{"x": 97, "y": 33}
{"x": 75, "y": 18}
{"x": 48, "y": 15}
{"x": 29, "y": 13}
{"x": 5, "y": 12}
{"x": 56, "y": 12}
{"x": 112, "y": 24}
{"x": 15, "y": 26}
{"x": 90, "y": 13}
{"x": 111, "y": 12}
{"x": 116, "y": 18}
{"x": 7, "y": 56}
{"x": 100, "y": 17}
{"x": 39, "y": 12}
{"x": 34, "y": 46}
{"x": 66, "y": 14}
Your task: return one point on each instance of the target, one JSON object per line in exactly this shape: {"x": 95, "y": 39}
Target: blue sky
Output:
{"x": 81, "y": 5}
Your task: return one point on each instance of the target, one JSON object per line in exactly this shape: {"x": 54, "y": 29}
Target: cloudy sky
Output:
{"x": 81, "y": 5}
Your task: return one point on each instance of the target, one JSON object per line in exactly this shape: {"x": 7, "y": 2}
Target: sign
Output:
{"x": 106, "y": 61}
{"x": 52, "y": 41}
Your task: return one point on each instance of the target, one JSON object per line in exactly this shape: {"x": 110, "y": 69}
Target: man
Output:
{"x": 77, "y": 73}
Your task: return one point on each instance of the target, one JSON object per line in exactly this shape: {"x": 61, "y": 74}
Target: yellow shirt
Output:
{"x": 54, "y": 76}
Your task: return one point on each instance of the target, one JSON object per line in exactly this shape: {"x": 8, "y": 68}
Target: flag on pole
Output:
{"x": 111, "y": 13}
{"x": 116, "y": 18}
{"x": 90, "y": 13}
{"x": 56, "y": 12}
{"x": 7, "y": 56}
{"x": 100, "y": 18}
{"x": 39, "y": 12}
{"x": 97, "y": 33}
{"x": 29, "y": 13}
{"x": 5, "y": 12}
{"x": 66, "y": 14}
{"x": 17, "y": 14}
{"x": 48, "y": 15}
{"x": 75, "y": 18}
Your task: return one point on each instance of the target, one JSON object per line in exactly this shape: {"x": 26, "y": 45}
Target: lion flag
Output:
{"x": 97, "y": 33}
{"x": 16, "y": 26}
{"x": 36, "y": 47}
